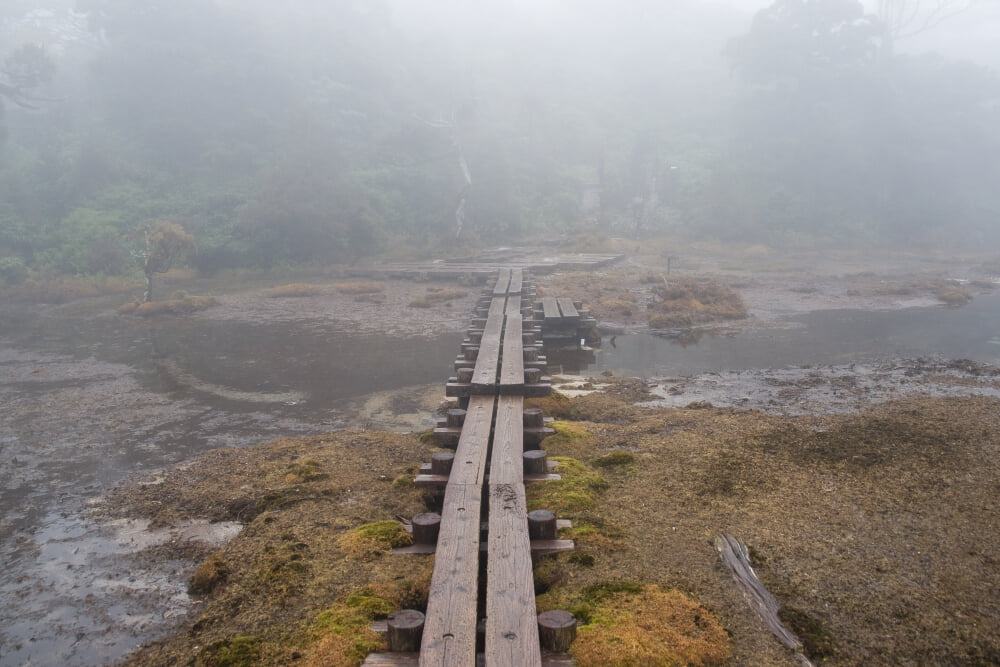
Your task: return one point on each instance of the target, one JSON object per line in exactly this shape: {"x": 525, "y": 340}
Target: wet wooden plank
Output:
{"x": 550, "y": 309}
{"x": 503, "y": 282}
{"x": 511, "y": 621}
{"x": 449, "y": 637}
{"x": 513, "y": 304}
{"x": 570, "y": 315}
{"x": 516, "y": 281}
{"x": 484, "y": 375}
{"x": 506, "y": 466}
{"x": 512, "y": 368}
{"x": 469, "y": 466}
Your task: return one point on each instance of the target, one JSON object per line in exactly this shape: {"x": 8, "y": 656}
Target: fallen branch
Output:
{"x": 736, "y": 557}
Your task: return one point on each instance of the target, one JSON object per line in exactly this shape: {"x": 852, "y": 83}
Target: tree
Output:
{"x": 158, "y": 246}
{"x": 905, "y": 18}
{"x": 23, "y": 71}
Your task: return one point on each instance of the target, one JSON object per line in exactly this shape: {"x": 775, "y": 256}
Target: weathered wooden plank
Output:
{"x": 516, "y": 281}
{"x": 512, "y": 367}
{"x": 450, "y": 627}
{"x": 391, "y": 660}
{"x": 569, "y": 312}
{"x": 506, "y": 466}
{"x": 503, "y": 282}
{"x": 511, "y": 621}
{"x": 513, "y": 306}
{"x": 484, "y": 376}
{"x": 550, "y": 310}
{"x": 469, "y": 466}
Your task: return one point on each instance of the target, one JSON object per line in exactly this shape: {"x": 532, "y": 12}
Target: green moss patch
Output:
{"x": 576, "y": 491}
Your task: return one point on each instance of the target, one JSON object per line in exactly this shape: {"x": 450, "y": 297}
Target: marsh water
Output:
{"x": 90, "y": 401}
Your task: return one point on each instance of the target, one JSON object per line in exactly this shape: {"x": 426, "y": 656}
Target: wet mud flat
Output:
{"x": 90, "y": 399}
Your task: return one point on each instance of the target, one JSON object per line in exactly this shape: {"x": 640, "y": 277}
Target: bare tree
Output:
{"x": 24, "y": 70}
{"x": 905, "y": 18}
{"x": 157, "y": 247}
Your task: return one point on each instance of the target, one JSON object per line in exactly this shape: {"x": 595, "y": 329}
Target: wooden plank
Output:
{"x": 450, "y": 628}
{"x": 484, "y": 375}
{"x": 550, "y": 309}
{"x": 512, "y": 368}
{"x": 569, "y": 312}
{"x": 516, "y": 281}
{"x": 513, "y": 305}
{"x": 391, "y": 660}
{"x": 506, "y": 466}
{"x": 511, "y": 621}
{"x": 469, "y": 466}
{"x": 503, "y": 282}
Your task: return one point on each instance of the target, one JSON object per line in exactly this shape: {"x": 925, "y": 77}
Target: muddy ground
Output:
{"x": 856, "y": 520}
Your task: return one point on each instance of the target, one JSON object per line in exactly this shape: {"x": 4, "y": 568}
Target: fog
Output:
{"x": 333, "y": 131}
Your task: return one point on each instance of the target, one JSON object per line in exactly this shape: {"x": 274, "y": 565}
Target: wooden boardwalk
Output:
{"x": 484, "y": 488}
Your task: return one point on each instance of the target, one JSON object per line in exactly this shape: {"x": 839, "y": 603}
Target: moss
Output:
{"x": 576, "y": 491}
{"x": 817, "y": 641}
{"x": 570, "y": 438}
{"x": 688, "y": 301}
{"x": 436, "y": 295}
{"x": 615, "y": 458}
{"x": 581, "y": 558}
{"x": 369, "y": 602}
{"x": 547, "y": 573}
{"x": 342, "y": 636}
{"x": 304, "y": 471}
{"x": 211, "y": 573}
{"x": 404, "y": 481}
{"x": 650, "y": 626}
{"x": 242, "y": 651}
{"x": 374, "y": 539}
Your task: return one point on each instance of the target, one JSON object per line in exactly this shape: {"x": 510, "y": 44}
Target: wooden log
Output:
{"x": 736, "y": 557}
{"x": 464, "y": 375}
{"x": 542, "y": 525}
{"x": 426, "y": 527}
{"x": 441, "y": 463}
{"x": 532, "y": 375}
{"x": 530, "y": 353}
{"x": 535, "y": 462}
{"x": 404, "y": 630}
{"x": 471, "y": 353}
{"x": 527, "y": 337}
{"x": 556, "y": 630}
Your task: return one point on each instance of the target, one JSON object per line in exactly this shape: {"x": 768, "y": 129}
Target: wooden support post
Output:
{"x": 456, "y": 417}
{"x": 464, "y": 375}
{"x": 535, "y": 462}
{"x": 426, "y": 527}
{"x": 533, "y": 417}
{"x": 441, "y": 463}
{"x": 542, "y": 525}
{"x": 556, "y": 630}
{"x": 532, "y": 375}
{"x": 405, "y": 629}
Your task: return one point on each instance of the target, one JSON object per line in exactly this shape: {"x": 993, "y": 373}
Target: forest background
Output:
{"x": 309, "y": 132}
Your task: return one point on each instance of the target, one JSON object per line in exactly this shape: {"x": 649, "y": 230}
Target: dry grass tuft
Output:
{"x": 372, "y": 540}
{"x": 294, "y": 290}
{"x": 359, "y": 287}
{"x": 210, "y": 573}
{"x": 953, "y": 295}
{"x": 437, "y": 295}
{"x": 688, "y": 301}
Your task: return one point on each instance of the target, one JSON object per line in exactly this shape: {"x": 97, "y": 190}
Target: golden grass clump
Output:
{"x": 179, "y": 304}
{"x": 651, "y": 627}
{"x": 953, "y": 295}
{"x": 293, "y": 290}
{"x": 554, "y": 405}
{"x": 371, "y": 540}
{"x": 359, "y": 287}
{"x": 437, "y": 295}
{"x": 688, "y": 301}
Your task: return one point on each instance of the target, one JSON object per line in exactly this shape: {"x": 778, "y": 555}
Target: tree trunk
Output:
{"x": 148, "y": 294}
